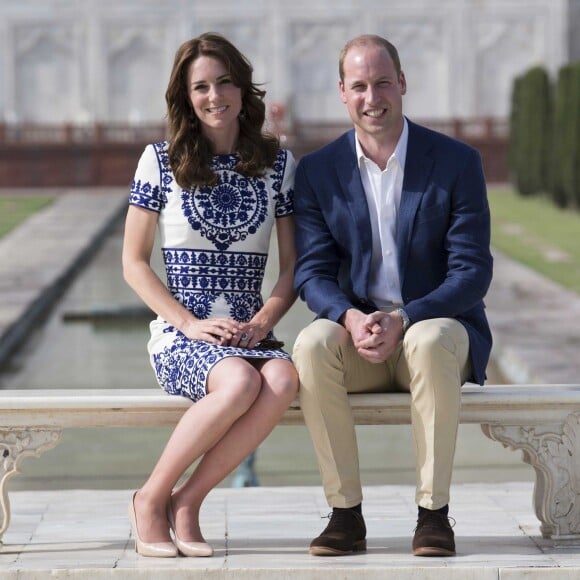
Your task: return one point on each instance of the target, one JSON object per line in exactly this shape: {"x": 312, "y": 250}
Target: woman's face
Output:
{"x": 216, "y": 100}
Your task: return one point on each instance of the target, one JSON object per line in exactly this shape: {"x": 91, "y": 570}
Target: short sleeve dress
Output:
{"x": 215, "y": 242}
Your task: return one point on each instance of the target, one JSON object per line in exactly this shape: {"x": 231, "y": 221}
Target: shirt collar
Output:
{"x": 400, "y": 152}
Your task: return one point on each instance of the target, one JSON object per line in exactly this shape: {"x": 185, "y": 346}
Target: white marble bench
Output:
{"x": 541, "y": 420}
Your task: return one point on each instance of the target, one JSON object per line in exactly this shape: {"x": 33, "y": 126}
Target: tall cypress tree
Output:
{"x": 534, "y": 131}
{"x": 513, "y": 159}
{"x": 566, "y": 151}
{"x": 573, "y": 186}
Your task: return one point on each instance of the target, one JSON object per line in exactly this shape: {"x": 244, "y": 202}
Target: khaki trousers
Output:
{"x": 432, "y": 362}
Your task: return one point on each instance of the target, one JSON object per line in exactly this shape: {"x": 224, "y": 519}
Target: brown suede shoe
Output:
{"x": 433, "y": 535}
{"x": 344, "y": 534}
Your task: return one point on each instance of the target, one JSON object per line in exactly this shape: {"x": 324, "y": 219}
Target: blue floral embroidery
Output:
{"x": 145, "y": 195}
{"x": 166, "y": 175}
{"x": 154, "y": 196}
{"x": 179, "y": 367}
{"x": 198, "y": 278}
{"x": 284, "y": 200}
{"x": 228, "y": 212}
{"x": 203, "y": 271}
{"x": 244, "y": 306}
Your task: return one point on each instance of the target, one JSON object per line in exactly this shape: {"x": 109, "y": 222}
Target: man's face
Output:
{"x": 372, "y": 91}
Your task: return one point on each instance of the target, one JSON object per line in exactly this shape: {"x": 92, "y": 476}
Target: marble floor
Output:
{"x": 263, "y": 533}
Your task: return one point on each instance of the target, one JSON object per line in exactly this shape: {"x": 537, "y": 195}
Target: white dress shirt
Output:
{"x": 383, "y": 192}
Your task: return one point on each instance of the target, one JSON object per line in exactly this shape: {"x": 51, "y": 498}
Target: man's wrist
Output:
{"x": 348, "y": 317}
{"x": 405, "y": 320}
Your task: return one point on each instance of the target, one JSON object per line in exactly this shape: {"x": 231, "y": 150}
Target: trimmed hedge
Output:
{"x": 566, "y": 188}
{"x": 531, "y": 131}
{"x": 513, "y": 160}
{"x": 544, "y": 152}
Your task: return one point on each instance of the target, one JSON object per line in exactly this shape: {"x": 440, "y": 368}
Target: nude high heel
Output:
{"x": 153, "y": 550}
{"x": 192, "y": 549}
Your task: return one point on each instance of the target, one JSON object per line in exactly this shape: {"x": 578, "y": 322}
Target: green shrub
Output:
{"x": 530, "y": 152}
{"x": 514, "y": 130}
{"x": 566, "y": 150}
{"x": 571, "y": 166}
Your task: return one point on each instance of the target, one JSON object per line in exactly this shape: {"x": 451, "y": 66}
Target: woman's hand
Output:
{"x": 249, "y": 335}
{"x": 213, "y": 330}
{"x": 282, "y": 296}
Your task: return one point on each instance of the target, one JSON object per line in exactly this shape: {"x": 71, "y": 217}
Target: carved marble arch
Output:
{"x": 424, "y": 50}
{"x": 46, "y": 73}
{"x": 494, "y": 73}
{"x": 314, "y": 51}
{"x": 136, "y": 83}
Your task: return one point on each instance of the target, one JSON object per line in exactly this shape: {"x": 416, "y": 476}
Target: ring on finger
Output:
{"x": 245, "y": 336}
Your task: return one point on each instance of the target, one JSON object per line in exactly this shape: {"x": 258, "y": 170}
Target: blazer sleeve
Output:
{"x": 467, "y": 250}
{"x": 318, "y": 258}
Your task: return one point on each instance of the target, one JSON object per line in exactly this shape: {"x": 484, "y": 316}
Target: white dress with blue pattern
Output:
{"x": 215, "y": 242}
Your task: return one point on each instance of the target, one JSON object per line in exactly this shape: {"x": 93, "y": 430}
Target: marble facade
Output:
{"x": 87, "y": 61}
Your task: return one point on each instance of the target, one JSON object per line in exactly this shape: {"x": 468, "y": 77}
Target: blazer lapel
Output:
{"x": 418, "y": 167}
{"x": 352, "y": 189}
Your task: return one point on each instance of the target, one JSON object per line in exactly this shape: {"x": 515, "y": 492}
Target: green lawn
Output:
{"x": 16, "y": 208}
{"x": 533, "y": 231}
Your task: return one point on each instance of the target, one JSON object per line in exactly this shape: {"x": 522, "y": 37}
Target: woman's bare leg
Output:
{"x": 236, "y": 384}
{"x": 279, "y": 388}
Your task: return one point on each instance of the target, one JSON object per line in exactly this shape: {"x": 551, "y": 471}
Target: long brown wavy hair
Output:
{"x": 190, "y": 152}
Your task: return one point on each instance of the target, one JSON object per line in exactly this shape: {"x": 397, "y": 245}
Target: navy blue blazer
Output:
{"x": 443, "y": 235}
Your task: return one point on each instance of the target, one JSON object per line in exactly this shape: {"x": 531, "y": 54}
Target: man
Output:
{"x": 393, "y": 236}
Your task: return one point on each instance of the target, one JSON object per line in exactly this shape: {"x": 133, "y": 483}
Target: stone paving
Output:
{"x": 262, "y": 533}
{"x": 535, "y": 324}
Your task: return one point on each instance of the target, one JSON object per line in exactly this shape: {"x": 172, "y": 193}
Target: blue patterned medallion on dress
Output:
{"x": 230, "y": 211}
{"x": 215, "y": 242}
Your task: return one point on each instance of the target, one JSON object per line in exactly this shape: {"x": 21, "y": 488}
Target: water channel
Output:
{"x": 95, "y": 337}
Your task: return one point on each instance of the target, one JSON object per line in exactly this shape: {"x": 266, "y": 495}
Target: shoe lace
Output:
{"x": 431, "y": 519}
{"x": 341, "y": 517}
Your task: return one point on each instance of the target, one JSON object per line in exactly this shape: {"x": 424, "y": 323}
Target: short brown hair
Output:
{"x": 364, "y": 40}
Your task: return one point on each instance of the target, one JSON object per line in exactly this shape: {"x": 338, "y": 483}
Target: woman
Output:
{"x": 214, "y": 191}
